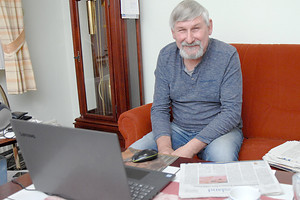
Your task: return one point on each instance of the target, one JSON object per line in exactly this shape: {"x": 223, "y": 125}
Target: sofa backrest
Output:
{"x": 271, "y": 90}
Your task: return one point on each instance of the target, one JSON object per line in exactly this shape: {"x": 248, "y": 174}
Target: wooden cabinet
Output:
{"x": 108, "y": 63}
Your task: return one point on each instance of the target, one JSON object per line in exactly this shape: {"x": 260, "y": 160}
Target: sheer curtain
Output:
{"x": 18, "y": 67}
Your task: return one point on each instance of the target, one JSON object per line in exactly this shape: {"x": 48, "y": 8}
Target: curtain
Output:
{"x": 18, "y": 67}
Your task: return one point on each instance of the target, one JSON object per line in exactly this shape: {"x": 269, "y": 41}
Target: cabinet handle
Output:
{"x": 77, "y": 57}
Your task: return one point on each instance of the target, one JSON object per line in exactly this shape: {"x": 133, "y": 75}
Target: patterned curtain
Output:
{"x": 18, "y": 67}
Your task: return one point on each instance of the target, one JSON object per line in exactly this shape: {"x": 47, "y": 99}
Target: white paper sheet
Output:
{"x": 130, "y": 9}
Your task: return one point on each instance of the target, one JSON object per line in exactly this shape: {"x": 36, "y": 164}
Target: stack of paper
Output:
{"x": 285, "y": 156}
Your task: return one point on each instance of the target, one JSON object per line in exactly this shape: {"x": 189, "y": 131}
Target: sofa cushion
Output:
{"x": 256, "y": 148}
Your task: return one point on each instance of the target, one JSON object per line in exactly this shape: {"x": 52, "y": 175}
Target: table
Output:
{"x": 13, "y": 142}
{"x": 5, "y": 142}
{"x": 11, "y": 188}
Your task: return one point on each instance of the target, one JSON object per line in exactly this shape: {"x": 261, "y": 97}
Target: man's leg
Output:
{"x": 179, "y": 138}
{"x": 146, "y": 142}
{"x": 225, "y": 148}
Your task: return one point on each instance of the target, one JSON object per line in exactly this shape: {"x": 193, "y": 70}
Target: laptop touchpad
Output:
{"x": 135, "y": 173}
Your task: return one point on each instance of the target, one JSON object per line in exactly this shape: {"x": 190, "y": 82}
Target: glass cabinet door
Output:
{"x": 107, "y": 61}
{"x": 95, "y": 57}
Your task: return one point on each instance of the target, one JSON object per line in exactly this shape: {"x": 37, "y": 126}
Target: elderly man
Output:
{"x": 200, "y": 79}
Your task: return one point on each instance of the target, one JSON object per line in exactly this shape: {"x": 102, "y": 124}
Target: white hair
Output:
{"x": 188, "y": 10}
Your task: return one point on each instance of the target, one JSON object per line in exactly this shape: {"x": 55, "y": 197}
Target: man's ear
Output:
{"x": 173, "y": 33}
{"x": 210, "y": 27}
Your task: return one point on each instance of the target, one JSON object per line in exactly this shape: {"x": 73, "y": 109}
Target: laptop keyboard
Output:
{"x": 139, "y": 191}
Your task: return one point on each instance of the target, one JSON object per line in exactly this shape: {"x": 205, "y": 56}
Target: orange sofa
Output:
{"x": 271, "y": 100}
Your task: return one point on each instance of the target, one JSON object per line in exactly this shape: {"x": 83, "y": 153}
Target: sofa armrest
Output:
{"x": 135, "y": 123}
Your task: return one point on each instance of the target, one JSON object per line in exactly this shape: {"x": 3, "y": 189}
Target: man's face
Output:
{"x": 192, "y": 37}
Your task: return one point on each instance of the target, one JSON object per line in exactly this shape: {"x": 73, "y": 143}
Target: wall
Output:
{"x": 234, "y": 21}
{"x": 48, "y": 33}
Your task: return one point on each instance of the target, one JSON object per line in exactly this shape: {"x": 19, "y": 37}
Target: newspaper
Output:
{"x": 285, "y": 156}
{"x": 216, "y": 179}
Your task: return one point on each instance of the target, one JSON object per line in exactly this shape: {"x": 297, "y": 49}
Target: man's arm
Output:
{"x": 160, "y": 110}
{"x": 164, "y": 145}
{"x": 190, "y": 149}
{"x": 229, "y": 116}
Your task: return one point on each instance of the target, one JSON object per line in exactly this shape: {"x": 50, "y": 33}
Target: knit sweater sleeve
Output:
{"x": 160, "y": 111}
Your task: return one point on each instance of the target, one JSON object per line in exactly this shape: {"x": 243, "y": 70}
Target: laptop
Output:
{"x": 81, "y": 164}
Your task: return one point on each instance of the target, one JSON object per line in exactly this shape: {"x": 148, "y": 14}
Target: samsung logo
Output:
{"x": 27, "y": 135}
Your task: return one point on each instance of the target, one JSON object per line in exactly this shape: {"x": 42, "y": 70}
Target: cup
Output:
{"x": 3, "y": 170}
{"x": 296, "y": 186}
{"x": 244, "y": 193}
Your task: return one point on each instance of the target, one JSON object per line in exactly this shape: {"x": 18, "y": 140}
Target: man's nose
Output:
{"x": 190, "y": 37}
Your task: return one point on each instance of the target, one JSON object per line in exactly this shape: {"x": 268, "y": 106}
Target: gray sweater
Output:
{"x": 208, "y": 102}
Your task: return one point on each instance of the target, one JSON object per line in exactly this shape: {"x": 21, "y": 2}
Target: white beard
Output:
{"x": 196, "y": 55}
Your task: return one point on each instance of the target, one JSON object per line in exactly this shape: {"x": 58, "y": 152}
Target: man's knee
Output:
{"x": 220, "y": 154}
{"x": 146, "y": 142}
{"x": 224, "y": 149}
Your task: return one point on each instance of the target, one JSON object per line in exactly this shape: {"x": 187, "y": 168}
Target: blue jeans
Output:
{"x": 223, "y": 149}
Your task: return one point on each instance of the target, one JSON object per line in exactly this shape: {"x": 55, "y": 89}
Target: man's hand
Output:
{"x": 190, "y": 149}
{"x": 183, "y": 152}
{"x": 164, "y": 145}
